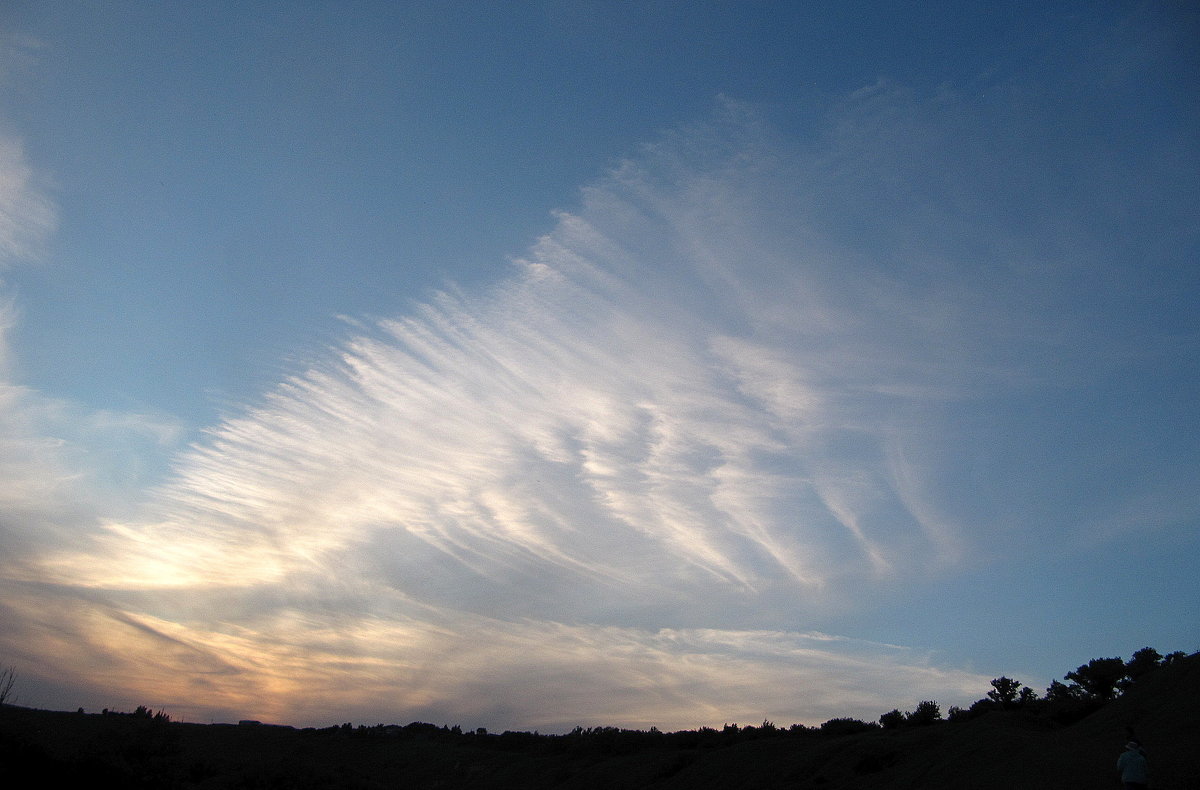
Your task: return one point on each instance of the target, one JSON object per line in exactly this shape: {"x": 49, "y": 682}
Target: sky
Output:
{"x": 528, "y": 365}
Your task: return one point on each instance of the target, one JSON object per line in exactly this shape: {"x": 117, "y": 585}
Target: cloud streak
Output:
{"x": 610, "y": 489}
{"x": 577, "y": 419}
{"x": 27, "y": 216}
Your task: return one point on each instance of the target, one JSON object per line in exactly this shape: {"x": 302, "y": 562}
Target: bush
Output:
{"x": 839, "y": 727}
{"x": 927, "y": 712}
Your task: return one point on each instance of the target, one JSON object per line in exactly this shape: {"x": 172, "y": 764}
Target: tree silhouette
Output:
{"x": 8, "y": 676}
{"x": 1059, "y": 692}
{"x": 1004, "y": 691}
{"x": 1099, "y": 677}
{"x": 927, "y": 712}
{"x": 1141, "y": 662}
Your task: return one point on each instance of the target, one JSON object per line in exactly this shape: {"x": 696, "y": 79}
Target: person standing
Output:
{"x": 1132, "y": 765}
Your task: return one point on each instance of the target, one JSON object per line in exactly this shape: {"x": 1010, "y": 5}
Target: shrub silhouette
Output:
{"x": 846, "y": 726}
{"x": 927, "y": 712}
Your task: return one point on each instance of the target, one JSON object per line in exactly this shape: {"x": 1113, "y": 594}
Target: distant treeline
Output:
{"x": 1086, "y": 689}
{"x": 146, "y": 750}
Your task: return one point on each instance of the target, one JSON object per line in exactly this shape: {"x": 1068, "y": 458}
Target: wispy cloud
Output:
{"x": 529, "y": 495}
{"x": 35, "y": 480}
{"x": 383, "y": 657}
{"x": 589, "y": 418}
{"x": 702, "y": 400}
{"x": 61, "y": 464}
{"x": 27, "y": 215}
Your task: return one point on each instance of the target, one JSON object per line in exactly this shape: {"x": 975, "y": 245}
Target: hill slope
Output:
{"x": 999, "y": 750}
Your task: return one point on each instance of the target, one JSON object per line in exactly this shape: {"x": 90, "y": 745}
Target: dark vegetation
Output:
{"x": 1067, "y": 737}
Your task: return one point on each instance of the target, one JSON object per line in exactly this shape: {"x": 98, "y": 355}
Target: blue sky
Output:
{"x": 528, "y": 365}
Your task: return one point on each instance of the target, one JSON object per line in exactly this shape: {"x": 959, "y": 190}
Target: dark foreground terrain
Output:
{"x": 1006, "y": 749}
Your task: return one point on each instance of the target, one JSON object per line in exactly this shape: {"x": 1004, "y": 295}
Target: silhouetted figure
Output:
{"x": 1132, "y": 765}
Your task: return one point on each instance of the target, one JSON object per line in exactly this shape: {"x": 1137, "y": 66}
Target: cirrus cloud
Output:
{"x": 611, "y": 489}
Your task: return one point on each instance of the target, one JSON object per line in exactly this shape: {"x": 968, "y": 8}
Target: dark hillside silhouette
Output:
{"x": 1012, "y": 738}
